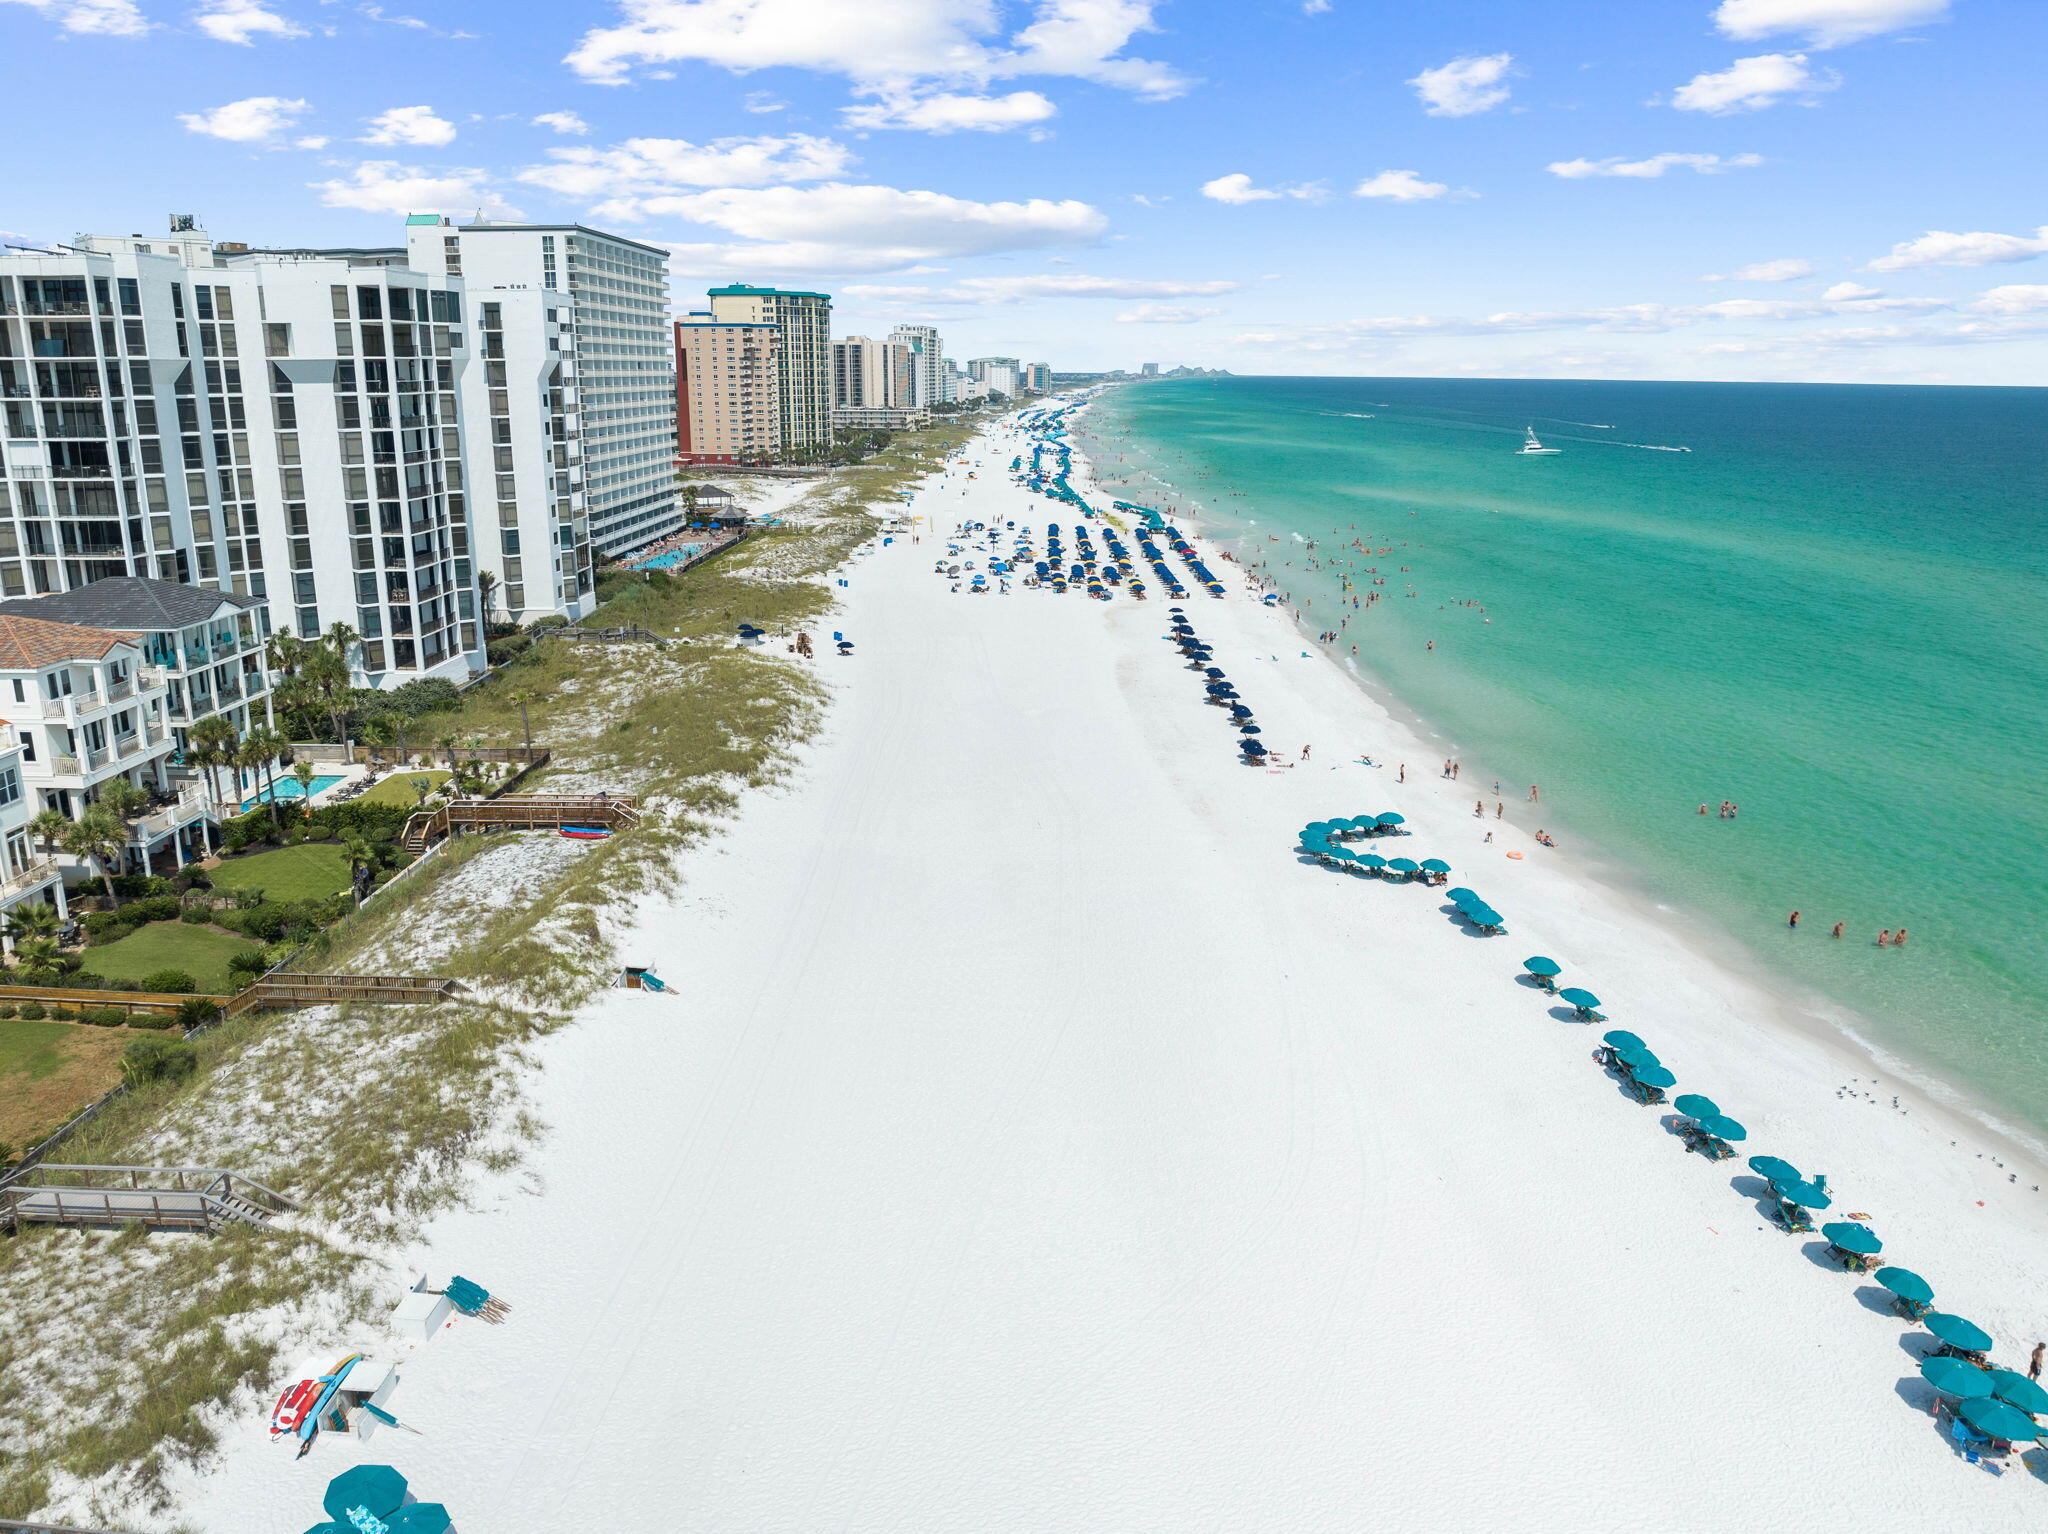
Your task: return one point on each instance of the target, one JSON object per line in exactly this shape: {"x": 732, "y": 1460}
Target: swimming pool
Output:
{"x": 288, "y": 788}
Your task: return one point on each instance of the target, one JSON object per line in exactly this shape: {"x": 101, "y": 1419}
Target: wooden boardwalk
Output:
{"x": 127, "y": 1001}
{"x": 521, "y": 812}
{"x": 161, "y": 1197}
{"x": 280, "y": 990}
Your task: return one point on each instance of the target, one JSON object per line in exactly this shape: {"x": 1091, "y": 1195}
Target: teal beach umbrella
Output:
{"x": 1692, "y": 1105}
{"x": 1953, "y": 1377}
{"x": 1372, "y": 860}
{"x": 377, "y": 1489}
{"x": 1722, "y": 1128}
{"x": 1851, "y": 1237}
{"x": 1403, "y": 865}
{"x": 419, "y": 1518}
{"x": 1621, "y": 1038}
{"x": 1636, "y": 1057}
{"x": 2015, "y": 1389}
{"x": 1995, "y": 1418}
{"x": 1964, "y": 1336}
{"x": 1655, "y": 1076}
{"x": 1542, "y": 966}
{"x": 1579, "y": 998}
{"x": 1806, "y": 1195}
{"x": 1775, "y": 1170}
{"x": 1435, "y": 866}
{"x": 1389, "y": 818}
{"x": 1906, "y": 1284}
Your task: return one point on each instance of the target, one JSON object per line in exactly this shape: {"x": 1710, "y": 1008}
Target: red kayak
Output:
{"x": 584, "y": 833}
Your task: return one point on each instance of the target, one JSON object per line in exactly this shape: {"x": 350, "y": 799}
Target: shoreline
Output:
{"x": 1826, "y": 1020}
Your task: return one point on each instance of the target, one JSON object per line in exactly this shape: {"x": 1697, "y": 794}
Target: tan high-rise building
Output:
{"x": 803, "y": 361}
{"x": 728, "y": 390}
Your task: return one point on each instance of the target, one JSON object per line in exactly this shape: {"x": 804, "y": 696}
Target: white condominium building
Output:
{"x": 803, "y": 360}
{"x": 927, "y": 364}
{"x": 278, "y": 427}
{"x": 728, "y": 391}
{"x": 997, "y": 375}
{"x": 593, "y": 419}
{"x": 867, "y": 372}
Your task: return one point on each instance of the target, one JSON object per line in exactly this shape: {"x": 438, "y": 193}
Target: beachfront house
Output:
{"x": 28, "y": 876}
{"x": 83, "y": 707}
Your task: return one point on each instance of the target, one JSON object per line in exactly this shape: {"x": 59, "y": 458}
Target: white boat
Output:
{"x": 1531, "y": 448}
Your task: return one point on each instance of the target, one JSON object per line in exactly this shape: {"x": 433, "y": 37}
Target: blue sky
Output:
{"x": 1769, "y": 189}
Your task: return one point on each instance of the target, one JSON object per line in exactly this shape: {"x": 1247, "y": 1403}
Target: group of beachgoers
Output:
{"x": 1887, "y": 938}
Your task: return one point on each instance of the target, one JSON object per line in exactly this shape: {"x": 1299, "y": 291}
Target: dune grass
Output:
{"x": 202, "y": 952}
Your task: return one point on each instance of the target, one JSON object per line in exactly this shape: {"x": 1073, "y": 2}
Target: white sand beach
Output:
{"x": 1033, "y": 1143}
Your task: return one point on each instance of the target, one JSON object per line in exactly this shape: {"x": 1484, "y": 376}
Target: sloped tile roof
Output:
{"x": 26, "y": 643}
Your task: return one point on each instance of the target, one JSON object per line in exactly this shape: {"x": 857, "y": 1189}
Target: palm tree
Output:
{"x": 28, "y": 922}
{"x": 447, "y": 744}
{"x": 122, "y": 798}
{"x": 377, "y": 733}
{"x": 262, "y": 749}
{"x": 326, "y": 675}
{"x": 38, "y": 953}
{"x": 49, "y": 827}
{"x": 486, "y": 588}
{"x": 211, "y": 745}
{"x": 284, "y": 652}
{"x": 361, "y": 856}
{"x": 303, "y": 772}
{"x": 100, "y": 837}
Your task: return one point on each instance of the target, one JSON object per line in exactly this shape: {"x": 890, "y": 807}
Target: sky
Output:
{"x": 1806, "y": 190}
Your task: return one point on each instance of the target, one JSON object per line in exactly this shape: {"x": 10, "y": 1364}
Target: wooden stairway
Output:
{"x": 162, "y": 1197}
{"x": 520, "y": 812}
{"x": 277, "y": 991}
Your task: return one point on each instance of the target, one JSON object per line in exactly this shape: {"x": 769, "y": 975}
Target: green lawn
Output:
{"x": 397, "y": 787}
{"x": 309, "y": 871}
{"x": 48, "y": 1071}
{"x": 202, "y": 952}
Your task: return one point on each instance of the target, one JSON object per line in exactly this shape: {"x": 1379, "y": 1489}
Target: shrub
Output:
{"x": 31, "y": 1011}
{"x": 426, "y": 695}
{"x": 40, "y": 977}
{"x": 176, "y": 981}
{"x": 7, "y": 1009}
{"x": 197, "y": 916}
{"x": 86, "y": 980}
{"x": 159, "y": 1059}
{"x": 378, "y": 822}
{"x": 63, "y": 1015}
{"x": 191, "y": 1014}
{"x": 135, "y": 886}
{"x": 105, "y": 926}
{"x": 247, "y": 964}
{"x": 162, "y": 1020}
{"x": 157, "y": 908}
{"x": 103, "y": 1017}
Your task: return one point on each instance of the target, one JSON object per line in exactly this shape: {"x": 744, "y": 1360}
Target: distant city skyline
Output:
{"x": 1769, "y": 189}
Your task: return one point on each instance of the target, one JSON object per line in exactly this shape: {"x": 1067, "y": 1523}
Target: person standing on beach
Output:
{"x": 2034, "y": 1363}
{"x": 1304, "y": 753}
{"x": 1478, "y": 809}
{"x": 1403, "y": 775}
{"x": 1499, "y": 809}
{"x": 1792, "y": 920}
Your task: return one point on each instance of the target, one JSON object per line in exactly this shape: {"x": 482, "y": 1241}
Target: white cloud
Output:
{"x": 763, "y": 101}
{"x": 1938, "y": 247}
{"x": 1653, "y": 167}
{"x": 1165, "y": 314}
{"x": 248, "y": 121}
{"x": 562, "y": 122}
{"x": 1849, "y": 293}
{"x": 1790, "y": 269}
{"x": 1465, "y": 85}
{"x": 896, "y": 46}
{"x": 630, "y": 175}
{"x": 945, "y": 112}
{"x": 838, "y": 227}
{"x": 92, "y": 18}
{"x": 242, "y": 21}
{"x": 1314, "y": 7}
{"x": 1826, "y": 23}
{"x": 2013, "y": 298}
{"x": 409, "y": 125}
{"x": 385, "y": 186}
{"x": 1749, "y": 85}
{"x": 1013, "y": 290}
{"x": 1400, "y": 186}
{"x": 312, "y": 141}
{"x": 1237, "y": 188}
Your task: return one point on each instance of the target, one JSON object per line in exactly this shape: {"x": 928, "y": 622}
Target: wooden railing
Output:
{"x": 164, "y": 1197}
{"x": 16, "y": 1526}
{"x": 520, "y": 812}
{"x": 279, "y": 990}
{"x": 127, "y": 1001}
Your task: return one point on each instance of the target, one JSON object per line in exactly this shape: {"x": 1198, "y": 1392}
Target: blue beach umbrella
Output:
{"x": 1953, "y": 1377}
{"x": 332, "y": 1528}
{"x": 419, "y": 1518}
{"x": 1773, "y": 1169}
{"x": 1435, "y": 866}
{"x": 379, "y": 1489}
{"x": 1621, "y": 1038}
{"x": 1998, "y": 1420}
{"x": 1460, "y": 896}
{"x": 1636, "y": 1057}
{"x": 1722, "y": 1127}
{"x": 1404, "y": 865}
{"x": 1692, "y": 1105}
{"x": 1963, "y": 1336}
{"x": 1542, "y": 966}
{"x": 1389, "y": 818}
{"x": 1579, "y": 998}
{"x": 1655, "y": 1076}
{"x": 1372, "y": 860}
{"x": 1860, "y": 1239}
{"x": 1906, "y": 1284}
{"x": 2015, "y": 1389}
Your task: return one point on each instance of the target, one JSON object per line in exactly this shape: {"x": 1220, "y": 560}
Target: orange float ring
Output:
{"x": 1516, "y": 856}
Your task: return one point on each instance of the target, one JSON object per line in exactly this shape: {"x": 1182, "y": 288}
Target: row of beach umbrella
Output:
{"x": 1994, "y": 1406}
{"x": 1216, "y": 685}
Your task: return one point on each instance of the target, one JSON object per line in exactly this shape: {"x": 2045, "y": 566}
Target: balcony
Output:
{"x": 33, "y": 875}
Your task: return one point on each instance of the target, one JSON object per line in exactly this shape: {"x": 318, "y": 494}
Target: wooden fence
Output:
{"x": 520, "y": 812}
{"x": 436, "y": 758}
{"x": 279, "y": 990}
{"x": 16, "y": 1526}
{"x": 128, "y": 1001}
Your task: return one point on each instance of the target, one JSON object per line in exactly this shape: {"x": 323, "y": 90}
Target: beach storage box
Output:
{"x": 419, "y": 1315}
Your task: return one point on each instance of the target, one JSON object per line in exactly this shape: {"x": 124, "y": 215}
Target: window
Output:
{"x": 28, "y": 745}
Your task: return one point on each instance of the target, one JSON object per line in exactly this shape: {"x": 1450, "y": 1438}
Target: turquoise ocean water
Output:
{"x": 1833, "y": 611}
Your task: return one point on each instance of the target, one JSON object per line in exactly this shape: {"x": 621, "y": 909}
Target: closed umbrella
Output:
{"x": 1542, "y": 966}
{"x": 1963, "y": 1336}
{"x": 1995, "y": 1419}
{"x": 1579, "y": 998}
{"x": 2015, "y": 1389}
{"x": 1954, "y": 1377}
{"x": 1695, "y": 1106}
{"x": 1860, "y": 1239}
